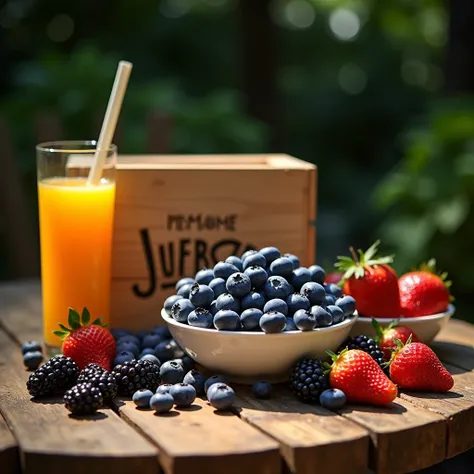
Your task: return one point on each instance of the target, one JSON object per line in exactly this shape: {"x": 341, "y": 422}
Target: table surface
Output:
{"x": 262, "y": 437}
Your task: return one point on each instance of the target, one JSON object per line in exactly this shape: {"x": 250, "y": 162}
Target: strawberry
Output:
{"x": 385, "y": 337}
{"x": 85, "y": 342}
{"x": 361, "y": 378}
{"x": 423, "y": 292}
{"x": 414, "y": 366}
{"x": 372, "y": 282}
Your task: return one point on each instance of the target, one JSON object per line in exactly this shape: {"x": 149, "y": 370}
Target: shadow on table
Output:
{"x": 459, "y": 355}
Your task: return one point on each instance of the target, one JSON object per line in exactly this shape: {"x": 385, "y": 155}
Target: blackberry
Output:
{"x": 308, "y": 380}
{"x": 100, "y": 378}
{"x": 365, "y": 344}
{"x": 136, "y": 374}
{"x": 56, "y": 375}
{"x": 83, "y": 399}
{"x": 89, "y": 371}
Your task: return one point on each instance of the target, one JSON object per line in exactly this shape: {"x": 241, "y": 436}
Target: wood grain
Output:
{"x": 457, "y": 407}
{"x": 9, "y": 457}
{"x": 309, "y": 436}
{"x": 404, "y": 438}
{"x": 49, "y": 439}
{"x": 201, "y": 440}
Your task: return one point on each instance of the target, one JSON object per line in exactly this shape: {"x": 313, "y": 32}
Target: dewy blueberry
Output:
{"x": 258, "y": 276}
{"x": 227, "y": 320}
{"x": 181, "y": 309}
{"x": 227, "y": 301}
{"x": 201, "y": 295}
{"x": 270, "y": 254}
{"x": 255, "y": 260}
{"x": 277, "y": 305}
{"x": 204, "y": 276}
{"x": 304, "y": 320}
{"x": 296, "y": 302}
{"x": 317, "y": 274}
{"x": 277, "y": 287}
{"x": 282, "y": 266}
{"x": 254, "y": 299}
{"x": 236, "y": 261}
{"x": 169, "y": 302}
{"x": 217, "y": 285}
{"x": 238, "y": 285}
{"x": 299, "y": 277}
{"x": 184, "y": 281}
{"x": 250, "y": 318}
{"x": 272, "y": 322}
{"x": 224, "y": 270}
{"x": 200, "y": 318}
{"x": 314, "y": 292}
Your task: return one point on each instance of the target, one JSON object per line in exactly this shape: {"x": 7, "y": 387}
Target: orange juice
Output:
{"x": 76, "y": 223}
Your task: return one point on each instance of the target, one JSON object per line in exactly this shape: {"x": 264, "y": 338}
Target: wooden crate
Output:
{"x": 177, "y": 214}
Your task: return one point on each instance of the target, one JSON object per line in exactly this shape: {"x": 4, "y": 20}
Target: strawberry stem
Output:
{"x": 354, "y": 255}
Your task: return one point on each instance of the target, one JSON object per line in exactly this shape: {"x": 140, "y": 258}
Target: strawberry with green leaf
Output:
{"x": 424, "y": 292}
{"x": 85, "y": 342}
{"x": 372, "y": 282}
{"x": 386, "y": 337}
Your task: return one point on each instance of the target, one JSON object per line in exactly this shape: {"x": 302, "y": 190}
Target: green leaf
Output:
{"x": 86, "y": 317}
{"x": 97, "y": 322}
{"x": 64, "y": 328}
{"x": 74, "y": 319}
{"x": 59, "y": 334}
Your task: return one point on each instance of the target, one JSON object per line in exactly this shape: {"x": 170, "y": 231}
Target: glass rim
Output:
{"x": 71, "y": 146}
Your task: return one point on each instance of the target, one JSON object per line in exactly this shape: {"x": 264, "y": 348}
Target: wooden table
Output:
{"x": 261, "y": 437}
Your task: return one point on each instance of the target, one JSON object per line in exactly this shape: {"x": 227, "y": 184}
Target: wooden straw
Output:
{"x": 110, "y": 121}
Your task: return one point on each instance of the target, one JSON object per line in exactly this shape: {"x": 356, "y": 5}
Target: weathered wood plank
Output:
{"x": 49, "y": 439}
{"x": 457, "y": 407}
{"x": 310, "y": 437}
{"x": 404, "y": 438}
{"x": 9, "y": 458}
{"x": 199, "y": 439}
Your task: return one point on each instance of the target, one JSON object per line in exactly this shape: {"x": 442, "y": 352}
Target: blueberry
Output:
{"x": 164, "y": 351}
{"x": 296, "y": 302}
{"x": 204, "y": 276}
{"x": 334, "y": 290}
{"x": 128, "y": 346}
{"x": 250, "y": 318}
{"x": 314, "y": 292}
{"x": 255, "y": 260}
{"x": 293, "y": 258}
{"x": 181, "y": 309}
{"x": 227, "y": 301}
{"x": 196, "y": 379}
{"x": 123, "y": 357}
{"x": 142, "y": 398}
{"x": 347, "y": 304}
{"x": 151, "y": 340}
{"x": 277, "y": 287}
{"x": 183, "y": 394}
{"x": 270, "y": 254}
{"x": 32, "y": 360}
{"x": 224, "y": 270}
{"x": 214, "y": 380}
{"x": 317, "y": 274}
{"x": 222, "y": 397}
{"x": 336, "y": 313}
{"x": 213, "y": 308}
{"x": 276, "y": 305}
{"x": 282, "y": 266}
{"x": 332, "y": 398}
{"x": 185, "y": 290}
{"x": 187, "y": 363}
{"x": 290, "y": 325}
{"x": 141, "y": 334}
{"x": 299, "y": 277}
{"x": 169, "y": 302}
{"x": 238, "y": 285}
{"x": 262, "y": 389}
{"x": 164, "y": 388}
{"x": 184, "y": 281}
{"x": 227, "y": 320}
{"x": 248, "y": 253}
{"x": 118, "y": 332}
{"x": 236, "y": 261}
{"x": 304, "y": 320}
{"x": 200, "y": 318}
{"x": 258, "y": 276}
{"x": 322, "y": 317}
{"x": 217, "y": 286}
{"x": 161, "y": 402}
{"x": 328, "y": 300}
{"x": 201, "y": 295}
{"x": 151, "y": 358}
{"x": 171, "y": 372}
{"x": 31, "y": 346}
{"x": 272, "y": 322}
{"x": 147, "y": 351}
{"x": 161, "y": 331}
{"x": 253, "y": 300}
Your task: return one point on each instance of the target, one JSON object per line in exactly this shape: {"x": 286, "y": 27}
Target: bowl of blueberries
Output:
{"x": 254, "y": 316}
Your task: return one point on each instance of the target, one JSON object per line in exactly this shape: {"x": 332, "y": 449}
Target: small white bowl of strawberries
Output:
{"x": 419, "y": 300}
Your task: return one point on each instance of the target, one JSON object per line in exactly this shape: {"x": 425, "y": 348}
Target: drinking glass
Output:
{"x": 76, "y": 225}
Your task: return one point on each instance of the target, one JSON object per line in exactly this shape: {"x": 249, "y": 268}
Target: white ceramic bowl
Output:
{"x": 425, "y": 327}
{"x": 245, "y": 356}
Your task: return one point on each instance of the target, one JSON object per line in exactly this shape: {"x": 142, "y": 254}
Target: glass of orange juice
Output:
{"x": 76, "y": 224}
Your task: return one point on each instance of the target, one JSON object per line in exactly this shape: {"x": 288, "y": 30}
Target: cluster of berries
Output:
{"x": 262, "y": 290}
{"x": 368, "y": 371}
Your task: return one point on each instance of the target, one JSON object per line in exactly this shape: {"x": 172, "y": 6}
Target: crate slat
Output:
{"x": 9, "y": 456}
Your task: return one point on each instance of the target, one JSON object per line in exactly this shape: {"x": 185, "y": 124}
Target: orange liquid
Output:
{"x": 76, "y": 223}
